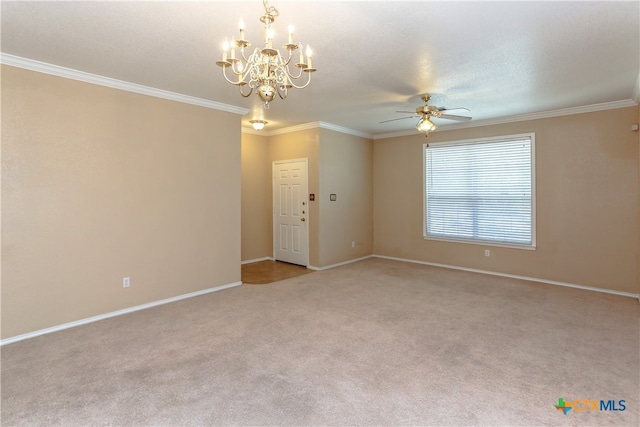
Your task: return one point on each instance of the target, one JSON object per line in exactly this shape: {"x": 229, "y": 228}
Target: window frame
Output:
{"x": 475, "y": 141}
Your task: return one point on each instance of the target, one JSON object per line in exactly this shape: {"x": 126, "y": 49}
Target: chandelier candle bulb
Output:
{"x": 240, "y": 68}
{"x": 270, "y": 38}
{"x": 309, "y": 53}
{"x": 290, "y": 34}
{"x": 225, "y": 48}
{"x": 241, "y": 25}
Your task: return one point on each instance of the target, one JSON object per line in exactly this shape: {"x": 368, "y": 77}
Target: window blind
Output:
{"x": 481, "y": 191}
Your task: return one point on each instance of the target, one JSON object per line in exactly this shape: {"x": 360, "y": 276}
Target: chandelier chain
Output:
{"x": 270, "y": 10}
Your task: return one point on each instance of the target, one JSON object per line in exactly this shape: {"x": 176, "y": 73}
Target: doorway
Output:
{"x": 291, "y": 211}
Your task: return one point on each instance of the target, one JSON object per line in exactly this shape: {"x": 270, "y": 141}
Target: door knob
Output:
{"x": 302, "y": 219}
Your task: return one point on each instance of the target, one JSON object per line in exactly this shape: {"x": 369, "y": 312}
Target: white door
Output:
{"x": 290, "y": 212}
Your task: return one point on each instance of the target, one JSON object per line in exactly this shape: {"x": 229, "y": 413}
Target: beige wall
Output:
{"x": 346, "y": 170}
{"x": 98, "y": 184}
{"x": 256, "y": 198}
{"x": 587, "y": 202}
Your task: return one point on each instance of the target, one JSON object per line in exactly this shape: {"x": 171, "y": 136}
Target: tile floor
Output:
{"x": 263, "y": 272}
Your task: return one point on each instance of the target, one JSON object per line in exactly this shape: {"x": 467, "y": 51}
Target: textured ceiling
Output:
{"x": 499, "y": 59}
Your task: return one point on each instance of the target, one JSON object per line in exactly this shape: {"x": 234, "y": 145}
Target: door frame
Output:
{"x": 273, "y": 205}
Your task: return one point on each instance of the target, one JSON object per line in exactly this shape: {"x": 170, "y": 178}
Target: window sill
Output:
{"x": 482, "y": 243}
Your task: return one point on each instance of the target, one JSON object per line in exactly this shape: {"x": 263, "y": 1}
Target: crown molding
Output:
{"x": 296, "y": 128}
{"x": 252, "y": 131}
{"x": 307, "y": 126}
{"x": 69, "y": 73}
{"x": 341, "y": 129}
{"x": 475, "y": 123}
{"x": 399, "y": 133}
{"x": 520, "y": 117}
{"x": 46, "y": 68}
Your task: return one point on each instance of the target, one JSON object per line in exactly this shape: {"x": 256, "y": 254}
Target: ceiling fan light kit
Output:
{"x": 426, "y": 112}
{"x": 426, "y": 125}
{"x": 266, "y": 70}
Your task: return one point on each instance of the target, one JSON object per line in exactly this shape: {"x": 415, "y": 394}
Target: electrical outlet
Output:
{"x": 353, "y": 244}
{"x": 126, "y": 282}
{"x": 487, "y": 252}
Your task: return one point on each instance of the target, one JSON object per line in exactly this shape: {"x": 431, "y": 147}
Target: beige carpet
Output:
{"x": 377, "y": 342}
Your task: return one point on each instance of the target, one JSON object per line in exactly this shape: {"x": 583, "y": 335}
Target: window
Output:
{"x": 481, "y": 191}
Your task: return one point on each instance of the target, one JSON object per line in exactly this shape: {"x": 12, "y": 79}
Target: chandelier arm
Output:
{"x": 253, "y": 57}
{"x": 242, "y": 93}
{"x": 283, "y": 62}
{"x": 237, "y": 71}
{"x": 290, "y": 74}
{"x": 224, "y": 73}
{"x": 280, "y": 90}
{"x": 239, "y": 78}
{"x": 303, "y": 86}
{"x": 243, "y": 57}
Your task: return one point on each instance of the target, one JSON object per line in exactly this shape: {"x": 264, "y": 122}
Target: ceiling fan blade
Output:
{"x": 454, "y": 110}
{"x": 399, "y": 118}
{"x": 408, "y": 112}
{"x": 452, "y": 117}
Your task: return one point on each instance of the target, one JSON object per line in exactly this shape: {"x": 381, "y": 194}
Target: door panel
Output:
{"x": 283, "y": 201}
{"x": 284, "y": 238}
{"x": 296, "y": 239}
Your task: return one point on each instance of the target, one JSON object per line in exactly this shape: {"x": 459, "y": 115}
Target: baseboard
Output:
{"x": 513, "y": 276}
{"x": 311, "y": 267}
{"x": 251, "y": 261}
{"x": 114, "y": 314}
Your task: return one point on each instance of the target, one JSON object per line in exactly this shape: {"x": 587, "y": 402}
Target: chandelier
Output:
{"x": 265, "y": 70}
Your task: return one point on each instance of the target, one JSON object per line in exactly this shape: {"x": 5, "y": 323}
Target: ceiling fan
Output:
{"x": 426, "y": 112}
